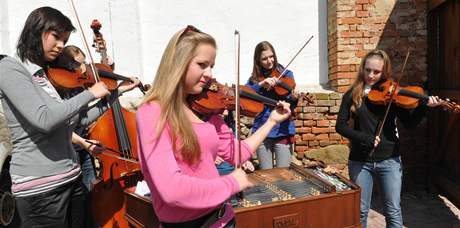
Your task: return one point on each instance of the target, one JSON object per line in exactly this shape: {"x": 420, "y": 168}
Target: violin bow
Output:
{"x": 85, "y": 42}
{"x": 295, "y": 56}
{"x": 237, "y": 101}
{"x": 393, "y": 94}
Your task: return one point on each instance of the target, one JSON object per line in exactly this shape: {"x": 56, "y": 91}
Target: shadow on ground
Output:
{"x": 420, "y": 209}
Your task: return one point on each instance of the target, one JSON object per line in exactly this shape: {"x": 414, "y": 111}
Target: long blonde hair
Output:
{"x": 168, "y": 90}
{"x": 357, "y": 89}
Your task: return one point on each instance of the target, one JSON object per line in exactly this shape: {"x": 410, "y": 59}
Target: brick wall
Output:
{"x": 357, "y": 26}
{"x": 315, "y": 123}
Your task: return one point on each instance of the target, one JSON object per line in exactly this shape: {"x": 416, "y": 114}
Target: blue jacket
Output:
{"x": 283, "y": 129}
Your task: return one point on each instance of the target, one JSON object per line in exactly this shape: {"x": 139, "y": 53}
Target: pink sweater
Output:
{"x": 181, "y": 192}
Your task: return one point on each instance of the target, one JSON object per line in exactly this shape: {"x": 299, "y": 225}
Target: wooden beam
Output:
{"x": 432, "y": 4}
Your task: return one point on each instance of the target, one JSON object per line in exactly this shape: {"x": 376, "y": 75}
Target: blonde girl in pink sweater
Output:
{"x": 177, "y": 148}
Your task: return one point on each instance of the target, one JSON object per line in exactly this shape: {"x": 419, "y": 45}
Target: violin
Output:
{"x": 408, "y": 97}
{"x": 284, "y": 85}
{"x": 215, "y": 98}
{"x": 71, "y": 79}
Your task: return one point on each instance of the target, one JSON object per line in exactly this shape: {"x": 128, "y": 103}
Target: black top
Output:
{"x": 366, "y": 120}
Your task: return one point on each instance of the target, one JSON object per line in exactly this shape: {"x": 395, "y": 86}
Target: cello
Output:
{"x": 119, "y": 167}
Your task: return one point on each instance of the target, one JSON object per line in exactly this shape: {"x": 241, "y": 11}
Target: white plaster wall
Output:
{"x": 137, "y": 31}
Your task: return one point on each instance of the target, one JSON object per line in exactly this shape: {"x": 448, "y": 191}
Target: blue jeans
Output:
{"x": 389, "y": 174}
{"x": 268, "y": 148}
{"x": 87, "y": 169}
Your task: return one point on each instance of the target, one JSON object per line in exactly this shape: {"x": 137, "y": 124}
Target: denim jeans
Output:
{"x": 88, "y": 176}
{"x": 389, "y": 174}
{"x": 87, "y": 169}
{"x": 268, "y": 148}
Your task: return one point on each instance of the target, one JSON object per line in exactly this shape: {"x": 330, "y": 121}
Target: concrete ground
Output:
{"x": 420, "y": 210}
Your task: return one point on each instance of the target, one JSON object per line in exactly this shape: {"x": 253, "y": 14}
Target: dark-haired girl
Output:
{"x": 44, "y": 168}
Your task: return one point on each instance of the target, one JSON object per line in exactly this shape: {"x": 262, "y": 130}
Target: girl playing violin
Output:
{"x": 177, "y": 149}
{"x": 280, "y": 139}
{"x": 44, "y": 167}
{"x": 385, "y": 162}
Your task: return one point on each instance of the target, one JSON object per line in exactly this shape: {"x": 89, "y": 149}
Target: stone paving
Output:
{"x": 420, "y": 210}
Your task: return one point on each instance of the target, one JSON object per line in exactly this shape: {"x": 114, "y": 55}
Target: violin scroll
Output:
{"x": 98, "y": 40}
{"x": 306, "y": 98}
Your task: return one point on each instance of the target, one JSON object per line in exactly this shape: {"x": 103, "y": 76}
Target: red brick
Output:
{"x": 298, "y": 123}
{"x": 308, "y": 137}
{"x": 300, "y": 151}
{"x": 346, "y": 75}
{"x": 322, "y": 123}
{"x": 349, "y": 20}
{"x": 318, "y": 130}
{"x": 299, "y": 142}
{"x": 335, "y": 136}
{"x": 303, "y": 130}
{"x": 322, "y": 137}
{"x": 361, "y": 53}
{"x": 331, "y": 116}
{"x": 351, "y": 34}
{"x": 342, "y": 89}
{"x": 309, "y": 109}
{"x": 309, "y": 123}
{"x": 322, "y": 109}
{"x": 313, "y": 143}
{"x": 343, "y": 68}
{"x": 362, "y": 13}
{"x": 350, "y": 47}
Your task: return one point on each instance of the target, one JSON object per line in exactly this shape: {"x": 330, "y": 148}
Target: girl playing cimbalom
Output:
{"x": 178, "y": 148}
